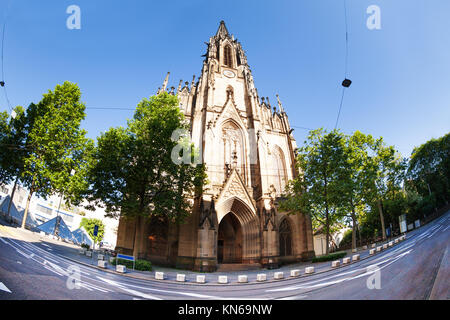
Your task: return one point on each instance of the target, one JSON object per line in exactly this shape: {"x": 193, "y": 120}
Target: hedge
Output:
{"x": 140, "y": 265}
{"x": 330, "y": 257}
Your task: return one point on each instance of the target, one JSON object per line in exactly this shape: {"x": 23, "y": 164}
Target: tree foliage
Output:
{"x": 89, "y": 225}
{"x": 316, "y": 190}
{"x": 133, "y": 173}
{"x": 56, "y": 146}
{"x": 429, "y": 170}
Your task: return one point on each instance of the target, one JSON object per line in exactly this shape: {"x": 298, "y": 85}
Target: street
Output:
{"x": 417, "y": 268}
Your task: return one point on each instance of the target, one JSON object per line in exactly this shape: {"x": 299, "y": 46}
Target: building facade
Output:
{"x": 248, "y": 149}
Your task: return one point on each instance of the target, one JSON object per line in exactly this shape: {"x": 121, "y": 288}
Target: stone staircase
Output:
{"x": 230, "y": 267}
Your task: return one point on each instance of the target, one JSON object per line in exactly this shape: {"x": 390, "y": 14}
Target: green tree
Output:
{"x": 56, "y": 146}
{"x": 386, "y": 172}
{"x": 429, "y": 170}
{"x": 316, "y": 190}
{"x": 89, "y": 225}
{"x": 14, "y": 142}
{"x": 355, "y": 178}
{"x": 133, "y": 173}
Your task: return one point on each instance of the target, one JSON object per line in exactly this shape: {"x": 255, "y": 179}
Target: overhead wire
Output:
{"x": 345, "y": 86}
{"x": 2, "y": 82}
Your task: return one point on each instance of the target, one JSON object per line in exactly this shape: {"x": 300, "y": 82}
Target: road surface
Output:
{"x": 417, "y": 268}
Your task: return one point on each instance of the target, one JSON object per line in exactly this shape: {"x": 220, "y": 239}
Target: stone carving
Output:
{"x": 206, "y": 214}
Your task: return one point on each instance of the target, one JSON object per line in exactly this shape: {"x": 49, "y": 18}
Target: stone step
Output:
{"x": 227, "y": 267}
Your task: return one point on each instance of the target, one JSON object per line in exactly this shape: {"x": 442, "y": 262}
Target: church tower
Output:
{"x": 248, "y": 149}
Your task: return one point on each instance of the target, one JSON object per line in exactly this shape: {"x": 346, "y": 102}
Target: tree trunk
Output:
{"x": 354, "y": 229}
{"x": 12, "y": 197}
{"x": 25, "y": 214}
{"x": 380, "y": 209}
{"x": 327, "y": 230}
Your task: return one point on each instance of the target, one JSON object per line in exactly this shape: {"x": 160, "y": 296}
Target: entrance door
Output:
{"x": 229, "y": 244}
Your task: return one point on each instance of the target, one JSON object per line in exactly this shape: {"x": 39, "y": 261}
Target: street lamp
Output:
{"x": 56, "y": 230}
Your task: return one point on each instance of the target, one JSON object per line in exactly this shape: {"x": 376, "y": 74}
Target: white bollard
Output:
{"x": 223, "y": 279}
{"x": 159, "y": 275}
{"x": 354, "y": 250}
{"x": 364, "y": 247}
{"x": 372, "y": 251}
{"x": 111, "y": 259}
{"x": 355, "y": 257}
{"x": 346, "y": 260}
{"x": 261, "y": 277}
{"x": 379, "y": 248}
{"x": 201, "y": 279}
{"x": 82, "y": 251}
{"x": 181, "y": 277}
{"x": 242, "y": 279}
{"x": 100, "y": 257}
{"x": 385, "y": 246}
{"x": 295, "y": 273}
{"x": 120, "y": 268}
{"x": 88, "y": 253}
{"x": 391, "y": 243}
{"x": 396, "y": 241}
{"x": 102, "y": 264}
{"x": 374, "y": 245}
{"x": 335, "y": 263}
{"x": 309, "y": 270}
{"x": 278, "y": 275}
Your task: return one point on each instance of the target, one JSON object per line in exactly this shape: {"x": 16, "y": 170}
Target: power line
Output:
{"x": 2, "y": 82}
{"x": 346, "y": 83}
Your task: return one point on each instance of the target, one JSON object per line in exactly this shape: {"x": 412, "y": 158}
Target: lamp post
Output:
{"x": 58, "y": 219}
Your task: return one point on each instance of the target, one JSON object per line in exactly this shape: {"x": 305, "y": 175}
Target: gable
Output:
{"x": 235, "y": 187}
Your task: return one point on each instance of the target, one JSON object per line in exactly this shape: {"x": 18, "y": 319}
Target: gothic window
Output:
{"x": 277, "y": 171}
{"x": 285, "y": 236}
{"x": 233, "y": 147}
{"x": 227, "y": 56}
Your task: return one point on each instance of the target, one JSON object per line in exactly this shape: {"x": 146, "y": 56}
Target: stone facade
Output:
{"x": 248, "y": 148}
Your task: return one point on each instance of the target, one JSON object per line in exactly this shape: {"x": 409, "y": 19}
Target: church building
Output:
{"x": 248, "y": 149}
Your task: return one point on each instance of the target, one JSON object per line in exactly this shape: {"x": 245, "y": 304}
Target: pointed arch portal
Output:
{"x": 229, "y": 246}
{"x": 237, "y": 220}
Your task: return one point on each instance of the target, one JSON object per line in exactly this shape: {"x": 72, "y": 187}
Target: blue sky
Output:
{"x": 401, "y": 73}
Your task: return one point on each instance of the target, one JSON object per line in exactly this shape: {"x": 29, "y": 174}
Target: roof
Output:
{"x": 61, "y": 228}
{"x": 17, "y": 214}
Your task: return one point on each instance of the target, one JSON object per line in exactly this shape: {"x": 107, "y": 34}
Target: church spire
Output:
{"x": 280, "y": 105}
{"x": 166, "y": 81}
{"x": 222, "y": 32}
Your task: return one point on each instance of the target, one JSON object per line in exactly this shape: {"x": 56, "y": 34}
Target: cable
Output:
{"x": 2, "y": 58}
{"x": 346, "y": 83}
{"x": 340, "y": 107}
{"x": 346, "y": 38}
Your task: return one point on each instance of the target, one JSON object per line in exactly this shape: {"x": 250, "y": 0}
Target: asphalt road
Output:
{"x": 417, "y": 268}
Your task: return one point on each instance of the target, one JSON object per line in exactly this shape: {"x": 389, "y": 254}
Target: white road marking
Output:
{"x": 54, "y": 271}
{"x": 436, "y": 231}
{"x": 310, "y": 285}
{"x": 3, "y": 240}
{"x": 24, "y": 254}
{"x": 4, "y": 288}
{"x": 293, "y": 297}
{"x": 133, "y": 292}
{"x": 19, "y": 262}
